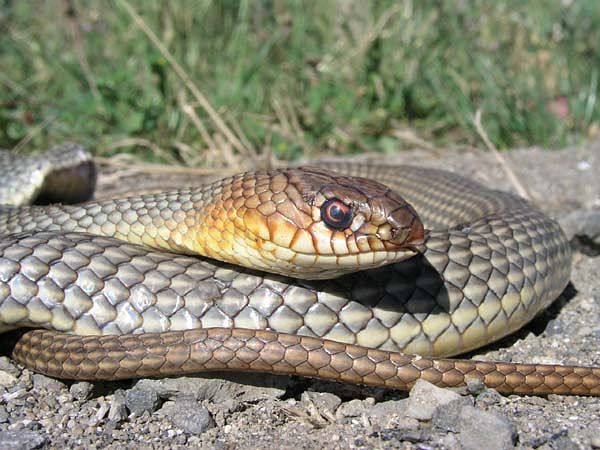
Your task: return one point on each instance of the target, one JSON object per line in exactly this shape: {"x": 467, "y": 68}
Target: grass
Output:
{"x": 292, "y": 78}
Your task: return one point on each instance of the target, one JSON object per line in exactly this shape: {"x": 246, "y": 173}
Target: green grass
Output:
{"x": 294, "y": 77}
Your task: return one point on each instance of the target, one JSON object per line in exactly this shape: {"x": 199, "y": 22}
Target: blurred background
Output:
{"x": 213, "y": 83}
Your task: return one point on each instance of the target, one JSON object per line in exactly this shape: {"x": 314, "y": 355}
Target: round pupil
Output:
{"x": 336, "y": 214}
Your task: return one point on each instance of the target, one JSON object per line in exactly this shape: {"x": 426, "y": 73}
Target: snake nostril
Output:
{"x": 399, "y": 235}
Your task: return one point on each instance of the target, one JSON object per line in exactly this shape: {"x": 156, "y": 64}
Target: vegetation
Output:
{"x": 293, "y": 78}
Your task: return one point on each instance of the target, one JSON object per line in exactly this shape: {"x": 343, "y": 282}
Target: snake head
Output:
{"x": 309, "y": 223}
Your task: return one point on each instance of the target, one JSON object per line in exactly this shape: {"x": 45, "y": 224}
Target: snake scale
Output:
{"x": 361, "y": 285}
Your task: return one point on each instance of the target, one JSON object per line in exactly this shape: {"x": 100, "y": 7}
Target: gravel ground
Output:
{"x": 227, "y": 411}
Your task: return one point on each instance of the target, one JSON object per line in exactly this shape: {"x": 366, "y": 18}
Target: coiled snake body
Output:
{"x": 351, "y": 300}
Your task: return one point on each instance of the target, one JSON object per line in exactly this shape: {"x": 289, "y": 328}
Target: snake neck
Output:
{"x": 165, "y": 221}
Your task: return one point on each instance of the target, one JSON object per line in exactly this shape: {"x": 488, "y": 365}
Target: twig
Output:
{"x": 227, "y": 152}
{"x": 238, "y": 129}
{"x": 189, "y": 111}
{"x": 520, "y": 188}
{"x": 200, "y": 98}
{"x": 71, "y": 14}
{"x": 411, "y": 137}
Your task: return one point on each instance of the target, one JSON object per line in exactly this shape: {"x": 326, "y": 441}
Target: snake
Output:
{"x": 363, "y": 273}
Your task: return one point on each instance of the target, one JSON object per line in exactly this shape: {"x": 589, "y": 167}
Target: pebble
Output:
{"x": 488, "y": 398}
{"x": 424, "y": 398}
{"x": 555, "y": 327}
{"x": 355, "y": 408}
{"x": 44, "y": 383}
{"x": 118, "y": 410}
{"x": 392, "y": 414}
{"x": 3, "y": 414}
{"x": 187, "y": 414}
{"x": 6, "y": 365}
{"x": 140, "y": 400}
{"x": 564, "y": 442}
{"x": 448, "y": 416}
{"x": 81, "y": 391}
{"x": 475, "y": 386}
{"x": 7, "y": 379}
{"x": 20, "y": 440}
{"x": 324, "y": 402}
{"x": 480, "y": 429}
{"x": 100, "y": 414}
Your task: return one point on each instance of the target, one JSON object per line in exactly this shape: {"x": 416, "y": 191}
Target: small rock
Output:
{"x": 447, "y": 417}
{"x": 424, "y": 398}
{"x": 187, "y": 414}
{"x": 7, "y": 379}
{"x": 595, "y": 442}
{"x": 324, "y": 402}
{"x": 20, "y": 440}
{"x": 354, "y": 408}
{"x": 475, "y": 386}
{"x": 490, "y": 397}
{"x": 392, "y": 414}
{"x": 140, "y": 400}
{"x": 117, "y": 411}
{"x": 44, "y": 383}
{"x": 565, "y": 443}
{"x": 481, "y": 429}
{"x": 81, "y": 391}
{"x": 391, "y": 407}
{"x": 100, "y": 414}
{"x": 6, "y": 365}
{"x": 555, "y": 327}
{"x": 3, "y": 414}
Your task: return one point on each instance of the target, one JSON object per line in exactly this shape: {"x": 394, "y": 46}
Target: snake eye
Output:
{"x": 336, "y": 214}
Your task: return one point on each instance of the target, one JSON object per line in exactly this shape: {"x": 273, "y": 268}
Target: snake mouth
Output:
{"x": 410, "y": 237}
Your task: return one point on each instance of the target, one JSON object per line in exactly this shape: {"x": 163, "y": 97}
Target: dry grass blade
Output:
{"x": 409, "y": 136}
{"x": 200, "y": 98}
{"x": 512, "y": 176}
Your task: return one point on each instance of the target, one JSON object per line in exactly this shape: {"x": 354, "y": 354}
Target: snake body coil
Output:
{"x": 489, "y": 264}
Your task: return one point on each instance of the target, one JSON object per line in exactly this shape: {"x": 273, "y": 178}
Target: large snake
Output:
{"x": 358, "y": 287}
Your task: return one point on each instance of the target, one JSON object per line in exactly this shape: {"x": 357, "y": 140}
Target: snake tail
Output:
{"x": 224, "y": 349}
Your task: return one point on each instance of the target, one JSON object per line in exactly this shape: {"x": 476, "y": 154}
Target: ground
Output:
{"x": 282, "y": 412}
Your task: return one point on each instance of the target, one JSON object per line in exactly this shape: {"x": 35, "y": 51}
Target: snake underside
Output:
{"x": 489, "y": 264}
